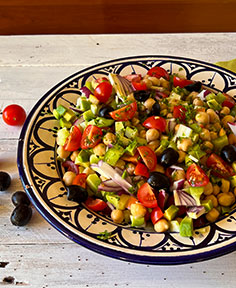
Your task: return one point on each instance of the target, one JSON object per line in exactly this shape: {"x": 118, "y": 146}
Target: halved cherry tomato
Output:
{"x": 14, "y": 115}
{"x": 195, "y": 176}
{"x": 158, "y": 72}
{"x": 179, "y": 112}
{"x": 80, "y": 180}
{"x": 155, "y": 122}
{"x": 229, "y": 101}
{"x": 156, "y": 215}
{"x": 146, "y": 196}
{"x": 139, "y": 85}
{"x": 133, "y": 77}
{"x": 132, "y": 200}
{"x": 141, "y": 170}
{"x": 91, "y": 137}
{"x": 95, "y": 204}
{"x": 73, "y": 141}
{"x": 219, "y": 167}
{"x": 133, "y": 159}
{"x": 181, "y": 82}
{"x": 102, "y": 79}
{"x": 125, "y": 113}
{"x": 103, "y": 91}
{"x": 148, "y": 157}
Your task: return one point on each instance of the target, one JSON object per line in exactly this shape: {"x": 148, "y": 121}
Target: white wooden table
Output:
{"x": 39, "y": 256}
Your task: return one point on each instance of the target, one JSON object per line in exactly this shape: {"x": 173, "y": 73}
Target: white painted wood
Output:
{"x": 38, "y": 255}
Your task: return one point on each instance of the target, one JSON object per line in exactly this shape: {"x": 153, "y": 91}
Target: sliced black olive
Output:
{"x": 141, "y": 95}
{"x": 194, "y": 87}
{"x": 5, "y": 181}
{"x": 156, "y": 109}
{"x": 158, "y": 181}
{"x": 76, "y": 193}
{"x": 104, "y": 111}
{"x": 20, "y": 197}
{"x": 169, "y": 157}
{"x": 21, "y": 215}
{"x": 228, "y": 153}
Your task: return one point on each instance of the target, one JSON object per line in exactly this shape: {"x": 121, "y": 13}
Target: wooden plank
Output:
{"x": 63, "y": 17}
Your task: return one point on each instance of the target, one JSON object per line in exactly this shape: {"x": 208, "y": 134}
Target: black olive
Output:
{"x": 21, "y": 215}
{"x": 158, "y": 181}
{"x": 76, "y": 193}
{"x": 20, "y": 197}
{"x": 104, "y": 111}
{"x": 141, "y": 95}
{"x": 169, "y": 157}
{"x": 156, "y": 109}
{"x": 228, "y": 153}
{"x": 194, "y": 87}
{"x": 5, "y": 180}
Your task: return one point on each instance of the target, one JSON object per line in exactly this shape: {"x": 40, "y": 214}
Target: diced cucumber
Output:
{"x": 174, "y": 226}
{"x": 220, "y": 142}
{"x": 69, "y": 116}
{"x": 186, "y": 227}
{"x": 131, "y": 132}
{"x": 123, "y": 141}
{"x": 141, "y": 141}
{"x": 119, "y": 128}
{"x": 94, "y": 109}
{"x": 83, "y": 104}
{"x": 183, "y": 132}
{"x": 124, "y": 198}
{"x": 61, "y": 110}
{"x": 62, "y": 135}
{"x": 171, "y": 212}
{"x": 101, "y": 122}
{"x": 113, "y": 199}
{"x": 82, "y": 157}
{"x": 88, "y": 115}
{"x": 137, "y": 221}
{"x": 113, "y": 154}
{"x": 93, "y": 159}
{"x": 213, "y": 104}
{"x": 93, "y": 181}
{"x": 131, "y": 148}
{"x": 64, "y": 123}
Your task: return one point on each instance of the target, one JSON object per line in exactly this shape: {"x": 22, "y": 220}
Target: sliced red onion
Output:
{"x": 182, "y": 198}
{"x": 171, "y": 124}
{"x": 133, "y": 77}
{"x": 177, "y": 185}
{"x": 102, "y": 187}
{"x": 110, "y": 145}
{"x": 232, "y": 126}
{"x": 78, "y": 121}
{"x": 206, "y": 92}
{"x": 71, "y": 166}
{"x": 110, "y": 205}
{"x": 162, "y": 198}
{"x": 106, "y": 170}
{"x": 195, "y": 211}
{"x": 176, "y": 167}
{"x": 120, "y": 172}
{"x": 202, "y": 95}
{"x": 110, "y": 183}
{"x": 86, "y": 91}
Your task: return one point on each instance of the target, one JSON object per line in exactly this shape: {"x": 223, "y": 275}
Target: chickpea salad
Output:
{"x": 155, "y": 151}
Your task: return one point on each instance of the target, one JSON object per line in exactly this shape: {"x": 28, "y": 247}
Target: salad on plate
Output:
{"x": 153, "y": 151}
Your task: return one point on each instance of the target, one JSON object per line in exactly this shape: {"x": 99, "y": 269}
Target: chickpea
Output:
{"x": 198, "y": 102}
{"x": 213, "y": 135}
{"x": 178, "y": 175}
{"x": 99, "y": 150}
{"x": 117, "y": 216}
{"x": 225, "y": 185}
{"x": 149, "y": 103}
{"x": 74, "y": 155}
{"x": 226, "y": 119}
{"x": 212, "y": 215}
{"x": 130, "y": 168}
{"x": 207, "y": 146}
{"x": 135, "y": 121}
{"x": 205, "y": 134}
{"x": 232, "y": 139}
{"x": 163, "y": 106}
{"x": 184, "y": 144}
{"x": 222, "y": 132}
{"x": 225, "y": 110}
{"x": 208, "y": 189}
{"x": 152, "y": 134}
{"x": 62, "y": 153}
{"x": 138, "y": 210}
{"x": 148, "y": 82}
{"x": 155, "y": 81}
{"x": 226, "y": 199}
{"x": 213, "y": 200}
{"x": 217, "y": 126}
{"x": 202, "y": 118}
{"x": 169, "y": 115}
{"x": 142, "y": 134}
{"x": 161, "y": 225}
{"x": 88, "y": 171}
{"x": 164, "y": 83}
{"x": 213, "y": 116}
{"x": 68, "y": 178}
{"x": 182, "y": 156}
{"x": 130, "y": 97}
{"x": 203, "y": 160}
{"x": 216, "y": 190}
{"x": 153, "y": 144}
{"x": 139, "y": 127}
{"x": 120, "y": 164}
{"x": 164, "y": 112}
{"x": 109, "y": 138}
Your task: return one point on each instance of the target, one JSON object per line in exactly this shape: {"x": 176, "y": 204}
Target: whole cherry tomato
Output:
{"x": 14, "y": 115}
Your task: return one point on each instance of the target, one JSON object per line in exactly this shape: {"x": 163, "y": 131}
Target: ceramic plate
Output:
{"x": 41, "y": 174}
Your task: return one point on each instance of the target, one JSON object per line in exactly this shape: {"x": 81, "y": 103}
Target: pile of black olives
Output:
{"x": 22, "y": 214}
{"x": 5, "y": 181}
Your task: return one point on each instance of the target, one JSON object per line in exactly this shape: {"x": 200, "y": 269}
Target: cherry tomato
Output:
{"x": 103, "y": 91}
{"x": 133, "y": 77}
{"x": 139, "y": 85}
{"x": 102, "y": 79}
{"x": 132, "y": 200}
{"x": 95, "y": 204}
{"x": 146, "y": 196}
{"x": 219, "y": 167}
{"x": 141, "y": 170}
{"x": 155, "y": 122}
{"x": 179, "y": 112}
{"x": 229, "y": 101}
{"x": 181, "y": 82}
{"x": 80, "y": 180}
{"x": 158, "y": 72}
{"x": 14, "y": 115}
{"x": 91, "y": 137}
{"x": 196, "y": 177}
{"x": 148, "y": 157}
{"x": 125, "y": 113}
{"x": 156, "y": 215}
{"x": 73, "y": 140}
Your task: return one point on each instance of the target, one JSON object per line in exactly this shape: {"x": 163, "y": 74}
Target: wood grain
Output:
{"x": 124, "y": 16}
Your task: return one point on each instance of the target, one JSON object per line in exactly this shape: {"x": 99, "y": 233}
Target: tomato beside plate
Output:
{"x": 125, "y": 113}
{"x": 91, "y": 137}
{"x": 196, "y": 177}
{"x": 73, "y": 141}
{"x": 146, "y": 196}
{"x": 14, "y": 115}
{"x": 148, "y": 156}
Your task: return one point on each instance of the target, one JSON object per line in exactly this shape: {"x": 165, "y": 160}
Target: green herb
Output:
{"x": 105, "y": 235}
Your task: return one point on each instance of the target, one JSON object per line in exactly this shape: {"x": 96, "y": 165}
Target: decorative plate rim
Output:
{"x": 143, "y": 259}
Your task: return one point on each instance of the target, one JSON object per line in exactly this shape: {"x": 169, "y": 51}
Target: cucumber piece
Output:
{"x": 137, "y": 221}
{"x": 93, "y": 181}
{"x": 131, "y": 149}
{"x": 119, "y": 128}
{"x": 131, "y": 132}
{"x": 88, "y": 115}
{"x": 220, "y": 142}
{"x": 113, "y": 155}
{"x": 213, "y": 104}
{"x": 61, "y": 110}
{"x": 186, "y": 227}
{"x": 82, "y": 157}
{"x": 171, "y": 212}
{"x": 123, "y": 201}
{"x": 62, "y": 135}
{"x": 64, "y": 123}
{"x": 69, "y": 116}
{"x": 123, "y": 141}
{"x": 93, "y": 159}
{"x": 101, "y": 122}
{"x": 113, "y": 199}
{"x": 207, "y": 204}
